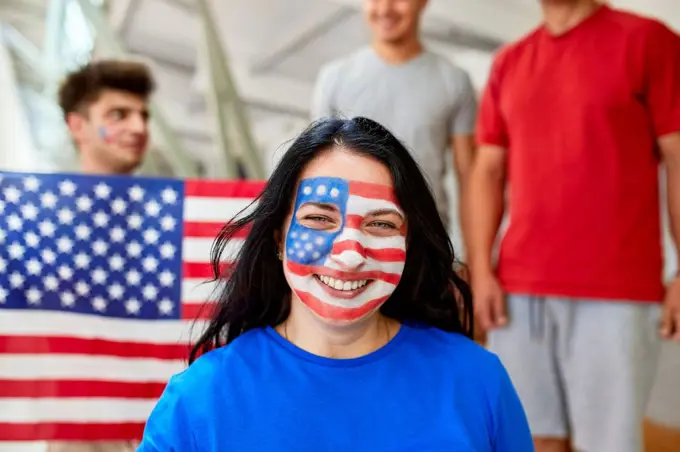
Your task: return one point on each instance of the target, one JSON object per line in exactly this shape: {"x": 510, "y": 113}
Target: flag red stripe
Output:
{"x": 198, "y": 270}
{"x": 80, "y": 388}
{"x": 197, "y": 311}
{"x": 369, "y": 190}
{"x": 42, "y": 345}
{"x": 200, "y": 229}
{"x": 210, "y": 230}
{"x": 336, "y": 312}
{"x": 73, "y": 431}
{"x": 223, "y": 189}
{"x": 203, "y": 270}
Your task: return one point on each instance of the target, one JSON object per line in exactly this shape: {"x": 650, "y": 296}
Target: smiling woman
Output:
{"x": 342, "y": 324}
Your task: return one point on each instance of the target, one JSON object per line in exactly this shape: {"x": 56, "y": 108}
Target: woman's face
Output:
{"x": 345, "y": 239}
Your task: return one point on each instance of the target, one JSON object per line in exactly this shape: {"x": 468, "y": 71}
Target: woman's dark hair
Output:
{"x": 252, "y": 295}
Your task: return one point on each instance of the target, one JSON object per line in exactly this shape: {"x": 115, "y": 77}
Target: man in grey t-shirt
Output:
{"x": 425, "y": 100}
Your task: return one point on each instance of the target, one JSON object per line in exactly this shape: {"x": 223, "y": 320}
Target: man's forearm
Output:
{"x": 670, "y": 149}
{"x": 673, "y": 197}
{"x": 484, "y": 205}
{"x": 463, "y": 148}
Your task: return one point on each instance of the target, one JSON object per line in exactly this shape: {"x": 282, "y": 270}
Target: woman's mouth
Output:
{"x": 343, "y": 288}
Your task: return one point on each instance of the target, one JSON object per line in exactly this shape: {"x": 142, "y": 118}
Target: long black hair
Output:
{"x": 255, "y": 292}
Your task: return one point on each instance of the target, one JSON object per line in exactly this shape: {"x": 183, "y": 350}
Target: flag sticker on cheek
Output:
{"x": 340, "y": 262}
{"x": 105, "y": 135}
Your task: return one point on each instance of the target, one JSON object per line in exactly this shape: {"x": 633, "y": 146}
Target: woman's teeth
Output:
{"x": 339, "y": 284}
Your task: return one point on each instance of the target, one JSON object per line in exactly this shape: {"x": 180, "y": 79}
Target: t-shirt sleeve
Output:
{"x": 322, "y": 105}
{"x": 465, "y": 112}
{"x": 511, "y": 428}
{"x": 491, "y": 127}
{"x": 168, "y": 427}
{"x": 663, "y": 78}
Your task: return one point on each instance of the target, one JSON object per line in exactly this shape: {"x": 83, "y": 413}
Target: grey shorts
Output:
{"x": 583, "y": 368}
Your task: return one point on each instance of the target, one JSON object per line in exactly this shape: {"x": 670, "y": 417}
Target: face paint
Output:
{"x": 344, "y": 273}
{"x": 105, "y": 135}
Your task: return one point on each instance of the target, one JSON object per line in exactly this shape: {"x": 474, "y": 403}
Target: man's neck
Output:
{"x": 561, "y": 16}
{"x": 94, "y": 167}
{"x": 398, "y": 53}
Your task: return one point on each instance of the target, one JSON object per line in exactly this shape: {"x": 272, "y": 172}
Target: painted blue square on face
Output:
{"x": 308, "y": 246}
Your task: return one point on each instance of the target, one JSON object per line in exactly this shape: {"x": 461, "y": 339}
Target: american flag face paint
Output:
{"x": 344, "y": 271}
{"x": 105, "y": 135}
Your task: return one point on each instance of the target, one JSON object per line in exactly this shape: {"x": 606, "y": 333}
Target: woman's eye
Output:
{"x": 318, "y": 218}
{"x": 382, "y": 225}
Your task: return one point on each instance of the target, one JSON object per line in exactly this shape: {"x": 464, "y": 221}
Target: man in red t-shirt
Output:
{"x": 576, "y": 118}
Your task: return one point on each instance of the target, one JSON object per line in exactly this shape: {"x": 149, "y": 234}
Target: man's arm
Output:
{"x": 486, "y": 193}
{"x": 463, "y": 149}
{"x": 662, "y": 95}
{"x": 670, "y": 151}
{"x": 463, "y": 141}
{"x": 485, "y": 202}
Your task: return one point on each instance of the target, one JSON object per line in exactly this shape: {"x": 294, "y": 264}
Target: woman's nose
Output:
{"x": 350, "y": 255}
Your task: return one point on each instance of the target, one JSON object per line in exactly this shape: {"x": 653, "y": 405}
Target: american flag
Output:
{"x": 100, "y": 281}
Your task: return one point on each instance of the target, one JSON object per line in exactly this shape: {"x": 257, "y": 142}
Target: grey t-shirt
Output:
{"x": 424, "y": 102}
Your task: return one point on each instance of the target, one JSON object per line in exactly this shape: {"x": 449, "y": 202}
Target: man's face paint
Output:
{"x": 345, "y": 252}
{"x": 106, "y": 135}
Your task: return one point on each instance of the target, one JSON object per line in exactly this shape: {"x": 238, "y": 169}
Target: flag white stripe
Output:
{"x": 87, "y": 367}
{"x": 198, "y": 249}
{"x": 60, "y": 324}
{"x": 213, "y": 210}
{"x": 198, "y": 290}
{"x": 359, "y": 205}
{"x": 372, "y": 242}
{"x": 27, "y": 410}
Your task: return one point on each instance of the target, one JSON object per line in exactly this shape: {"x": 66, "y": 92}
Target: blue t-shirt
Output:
{"x": 425, "y": 391}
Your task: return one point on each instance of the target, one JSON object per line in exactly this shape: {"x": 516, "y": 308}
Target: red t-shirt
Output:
{"x": 580, "y": 115}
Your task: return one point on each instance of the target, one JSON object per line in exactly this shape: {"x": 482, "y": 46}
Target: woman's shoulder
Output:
{"x": 453, "y": 347}
{"x": 216, "y": 364}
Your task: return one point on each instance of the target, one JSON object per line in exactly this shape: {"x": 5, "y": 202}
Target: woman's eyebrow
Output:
{"x": 319, "y": 205}
{"x": 383, "y": 212}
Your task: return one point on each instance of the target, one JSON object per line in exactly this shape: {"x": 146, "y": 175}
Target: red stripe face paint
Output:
{"x": 344, "y": 273}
